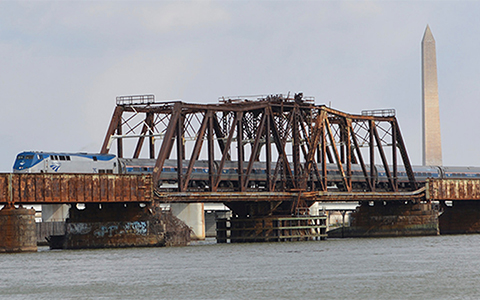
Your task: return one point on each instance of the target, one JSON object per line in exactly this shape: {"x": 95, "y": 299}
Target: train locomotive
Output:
{"x": 54, "y": 162}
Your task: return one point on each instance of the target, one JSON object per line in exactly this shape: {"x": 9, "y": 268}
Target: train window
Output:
{"x": 28, "y": 156}
{"x": 62, "y": 157}
{"x": 68, "y": 158}
{"x": 145, "y": 169}
{"x": 20, "y": 157}
{"x": 101, "y": 171}
{"x": 94, "y": 158}
{"x": 109, "y": 171}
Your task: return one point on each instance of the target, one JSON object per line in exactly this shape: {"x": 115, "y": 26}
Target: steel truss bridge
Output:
{"x": 292, "y": 137}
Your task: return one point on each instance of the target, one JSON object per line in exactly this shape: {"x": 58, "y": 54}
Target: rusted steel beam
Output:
{"x": 147, "y": 126}
{"x": 225, "y": 154}
{"x": 256, "y": 145}
{"x": 167, "y": 143}
{"x": 240, "y": 155}
{"x": 394, "y": 156}
{"x": 45, "y": 188}
{"x": 313, "y": 143}
{"x": 403, "y": 153}
{"x": 211, "y": 154}
{"x": 114, "y": 123}
{"x": 220, "y": 136}
{"x": 226, "y": 197}
{"x": 453, "y": 189}
{"x": 384, "y": 159}
{"x": 180, "y": 150}
{"x": 362, "y": 163}
{"x": 196, "y": 150}
{"x": 337, "y": 156}
{"x": 371, "y": 127}
{"x": 280, "y": 144}
{"x": 348, "y": 150}
{"x": 365, "y": 196}
{"x": 268, "y": 150}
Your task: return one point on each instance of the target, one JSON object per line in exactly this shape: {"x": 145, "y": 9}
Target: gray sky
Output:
{"x": 63, "y": 63}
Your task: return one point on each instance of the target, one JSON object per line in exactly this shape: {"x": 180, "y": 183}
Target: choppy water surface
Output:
{"x": 441, "y": 267}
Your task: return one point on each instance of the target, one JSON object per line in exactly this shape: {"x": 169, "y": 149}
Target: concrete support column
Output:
{"x": 55, "y": 212}
{"x": 18, "y": 230}
{"x": 192, "y": 214}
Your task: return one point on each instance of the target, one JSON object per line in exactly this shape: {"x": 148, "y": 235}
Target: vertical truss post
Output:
{"x": 240, "y": 155}
{"x": 372, "y": 154}
{"x": 255, "y": 149}
{"x": 266, "y": 113}
{"x": 337, "y": 156}
{"x": 167, "y": 144}
{"x": 406, "y": 160}
{"x": 151, "y": 139}
{"x": 225, "y": 151}
{"x": 119, "y": 141}
{"x": 296, "y": 143}
{"x": 348, "y": 149}
{"x": 324, "y": 154}
{"x": 114, "y": 123}
{"x": 211, "y": 154}
{"x": 196, "y": 150}
{"x": 384, "y": 159}
{"x": 361, "y": 161}
{"x": 394, "y": 155}
{"x": 180, "y": 151}
{"x": 147, "y": 126}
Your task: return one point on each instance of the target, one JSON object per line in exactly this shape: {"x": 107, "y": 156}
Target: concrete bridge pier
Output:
{"x": 388, "y": 219}
{"x": 192, "y": 214}
{"x": 462, "y": 216}
{"x": 18, "y": 230}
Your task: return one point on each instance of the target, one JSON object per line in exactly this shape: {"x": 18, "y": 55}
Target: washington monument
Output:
{"x": 432, "y": 143}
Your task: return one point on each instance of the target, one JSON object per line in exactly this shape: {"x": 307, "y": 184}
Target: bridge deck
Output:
{"x": 107, "y": 188}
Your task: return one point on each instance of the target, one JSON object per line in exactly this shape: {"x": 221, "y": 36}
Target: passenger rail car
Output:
{"x": 50, "y": 162}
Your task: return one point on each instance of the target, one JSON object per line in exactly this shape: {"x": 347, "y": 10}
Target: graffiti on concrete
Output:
{"x": 79, "y": 228}
{"x": 123, "y": 228}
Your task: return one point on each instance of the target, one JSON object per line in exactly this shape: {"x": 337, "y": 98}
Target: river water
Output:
{"x": 438, "y": 267}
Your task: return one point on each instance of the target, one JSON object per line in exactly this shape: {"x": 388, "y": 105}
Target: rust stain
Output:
{"x": 74, "y": 188}
{"x": 453, "y": 189}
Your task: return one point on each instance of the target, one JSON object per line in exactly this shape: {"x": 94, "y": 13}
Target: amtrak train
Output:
{"x": 50, "y": 162}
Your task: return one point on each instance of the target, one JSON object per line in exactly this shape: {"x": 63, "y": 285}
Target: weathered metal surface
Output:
{"x": 224, "y": 197}
{"x": 300, "y": 136}
{"x": 453, "y": 189}
{"x": 74, "y": 188}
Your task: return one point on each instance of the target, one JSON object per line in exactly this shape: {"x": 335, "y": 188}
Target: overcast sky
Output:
{"x": 63, "y": 63}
